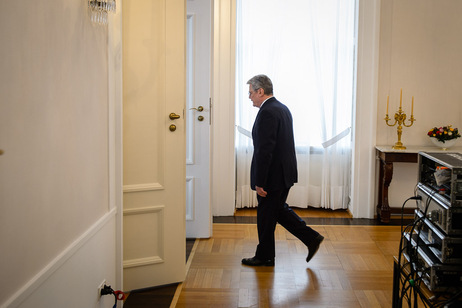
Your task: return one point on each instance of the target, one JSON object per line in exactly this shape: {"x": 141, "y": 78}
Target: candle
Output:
{"x": 401, "y": 98}
{"x": 388, "y": 97}
{"x": 412, "y": 106}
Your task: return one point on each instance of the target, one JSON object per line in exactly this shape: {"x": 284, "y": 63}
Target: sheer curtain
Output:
{"x": 307, "y": 48}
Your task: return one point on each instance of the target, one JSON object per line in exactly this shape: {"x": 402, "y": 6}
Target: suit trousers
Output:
{"x": 271, "y": 210}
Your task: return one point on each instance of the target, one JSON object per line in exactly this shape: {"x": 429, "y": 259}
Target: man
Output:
{"x": 273, "y": 173}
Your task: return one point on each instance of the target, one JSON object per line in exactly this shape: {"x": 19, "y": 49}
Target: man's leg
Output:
{"x": 297, "y": 226}
{"x": 266, "y": 224}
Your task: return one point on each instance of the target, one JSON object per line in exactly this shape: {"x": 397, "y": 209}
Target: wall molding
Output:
{"x": 146, "y": 260}
{"x": 26, "y": 290}
{"x": 143, "y": 187}
{"x": 143, "y": 261}
{"x": 144, "y": 210}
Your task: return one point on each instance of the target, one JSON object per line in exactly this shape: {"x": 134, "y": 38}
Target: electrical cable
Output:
{"x": 415, "y": 197}
{"x": 402, "y": 208}
{"x": 450, "y": 300}
{"x": 418, "y": 237}
{"x": 412, "y": 283}
{"x": 418, "y": 225}
{"x": 408, "y": 291}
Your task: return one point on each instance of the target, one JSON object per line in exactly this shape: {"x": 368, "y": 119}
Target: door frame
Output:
{"x": 115, "y": 85}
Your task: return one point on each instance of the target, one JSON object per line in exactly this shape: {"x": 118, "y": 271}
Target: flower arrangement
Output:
{"x": 444, "y": 133}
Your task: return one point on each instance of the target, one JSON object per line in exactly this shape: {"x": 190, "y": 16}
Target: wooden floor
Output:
{"x": 302, "y": 212}
{"x": 353, "y": 268}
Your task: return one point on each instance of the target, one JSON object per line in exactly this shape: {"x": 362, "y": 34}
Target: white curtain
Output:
{"x": 307, "y": 49}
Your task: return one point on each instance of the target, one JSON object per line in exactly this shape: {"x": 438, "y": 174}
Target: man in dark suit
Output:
{"x": 273, "y": 173}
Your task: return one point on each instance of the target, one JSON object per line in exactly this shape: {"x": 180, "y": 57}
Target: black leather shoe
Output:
{"x": 257, "y": 262}
{"x": 314, "y": 246}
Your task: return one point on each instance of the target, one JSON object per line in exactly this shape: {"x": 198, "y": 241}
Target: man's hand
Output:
{"x": 260, "y": 191}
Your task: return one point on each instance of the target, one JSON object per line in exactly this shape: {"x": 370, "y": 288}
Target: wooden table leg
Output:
{"x": 380, "y": 192}
{"x": 386, "y": 174}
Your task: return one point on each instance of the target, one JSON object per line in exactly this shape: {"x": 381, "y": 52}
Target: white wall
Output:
{"x": 58, "y": 193}
{"x": 420, "y": 45}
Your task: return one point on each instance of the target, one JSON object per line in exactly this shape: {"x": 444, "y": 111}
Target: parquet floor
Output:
{"x": 302, "y": 212}
{"x": 353, "y": 268}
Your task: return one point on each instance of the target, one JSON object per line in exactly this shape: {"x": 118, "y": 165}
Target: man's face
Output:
{"x": 255, "y": 97}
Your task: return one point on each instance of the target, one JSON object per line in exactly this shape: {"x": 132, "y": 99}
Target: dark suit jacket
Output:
{"x": 274, "y": 165}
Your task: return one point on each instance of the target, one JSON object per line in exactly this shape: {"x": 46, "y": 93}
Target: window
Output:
{"x": 307, "y": 49}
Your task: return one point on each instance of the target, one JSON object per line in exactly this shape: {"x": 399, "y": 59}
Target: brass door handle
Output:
{"x": 200, "y": 108}
{"x": 173, "y": 116}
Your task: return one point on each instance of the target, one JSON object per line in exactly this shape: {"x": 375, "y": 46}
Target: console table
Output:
{"x": 387, "y": 156}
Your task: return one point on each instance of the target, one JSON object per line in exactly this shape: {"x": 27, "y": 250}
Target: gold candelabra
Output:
{"x": 400, "y": 118}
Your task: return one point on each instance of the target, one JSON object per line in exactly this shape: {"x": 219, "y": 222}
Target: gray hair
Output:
{"x": 261, "y": 82}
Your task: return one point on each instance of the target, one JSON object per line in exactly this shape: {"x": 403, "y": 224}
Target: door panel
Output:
{"x": 198, "y": 112}
{"x": 154, "y": 169}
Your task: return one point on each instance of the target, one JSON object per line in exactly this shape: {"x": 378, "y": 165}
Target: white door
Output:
{"x": 198, "y": 111}
{"x": 154, "y": 77}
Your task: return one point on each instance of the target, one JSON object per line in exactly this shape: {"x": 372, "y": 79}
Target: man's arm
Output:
{"x": 266, "y": 135}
